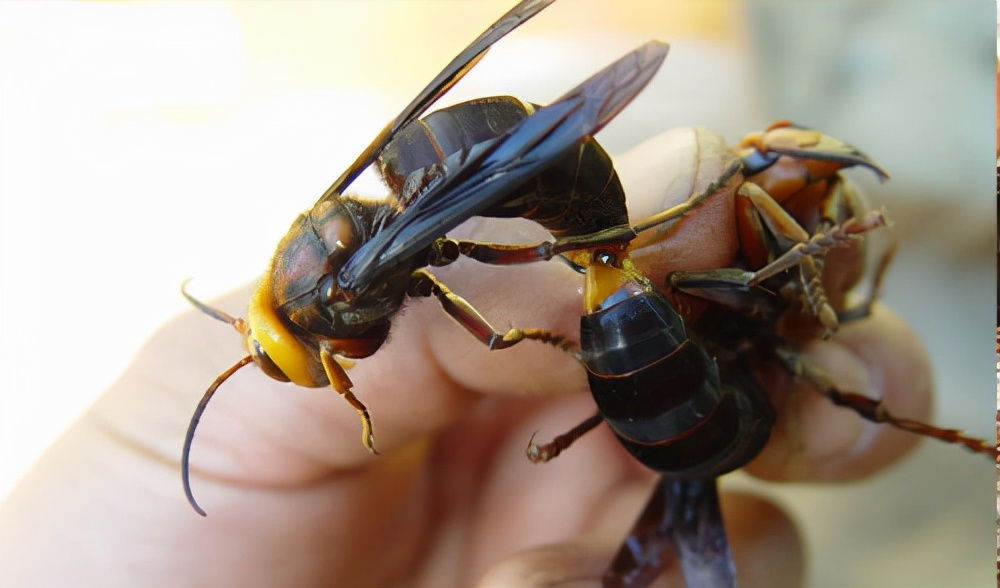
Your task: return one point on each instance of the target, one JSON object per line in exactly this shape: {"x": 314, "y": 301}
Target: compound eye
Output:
{"x": 264, "y": 362}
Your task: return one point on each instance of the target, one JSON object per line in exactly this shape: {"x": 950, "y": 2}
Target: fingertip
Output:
{"x": 566, "y": 565}
{"x": 814, "y": 440}
{"x": 671, "y": 166}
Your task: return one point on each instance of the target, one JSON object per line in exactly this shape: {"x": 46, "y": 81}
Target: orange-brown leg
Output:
{"x": 875, "y": 410}
{"x": 341, "y": 382}
{"x": 424, "y": 284}
{"x": 547, "y": 451}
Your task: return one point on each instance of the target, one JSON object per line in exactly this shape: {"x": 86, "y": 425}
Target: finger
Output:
{"x": 665, "y": 171}
{"x": 766, "y": 547}
{"x": 117, "y": 470}
{"x": 428, "y": 374}
{"x": 880, "y": 357}
{"x": 564, "y": 520}
{"x": 272, "y": 455}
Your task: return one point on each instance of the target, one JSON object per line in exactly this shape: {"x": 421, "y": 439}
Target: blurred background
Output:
{"x": 145, "y": 143}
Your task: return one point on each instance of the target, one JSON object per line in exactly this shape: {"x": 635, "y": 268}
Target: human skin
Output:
{"x": 294, "y": 499}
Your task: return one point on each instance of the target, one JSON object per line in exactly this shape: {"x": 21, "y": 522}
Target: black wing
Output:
{"x": 482, "y": 177}
{"x": 448, "y": 77}
{"x": 681, "y": 523}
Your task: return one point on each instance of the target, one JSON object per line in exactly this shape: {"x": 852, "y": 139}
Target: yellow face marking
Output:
{"x": 274, "y": 339}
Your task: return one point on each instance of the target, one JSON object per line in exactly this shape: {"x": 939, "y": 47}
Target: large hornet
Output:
{"x": 346, "y": 266}
{"x": 681, "y": 389}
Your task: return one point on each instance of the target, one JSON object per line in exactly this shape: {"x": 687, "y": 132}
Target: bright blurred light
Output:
{"x": 110, "y": 56}
{"x": 86, "y": 88}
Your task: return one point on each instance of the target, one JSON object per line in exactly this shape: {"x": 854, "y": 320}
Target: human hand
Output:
{"x": 294, "y": 499}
